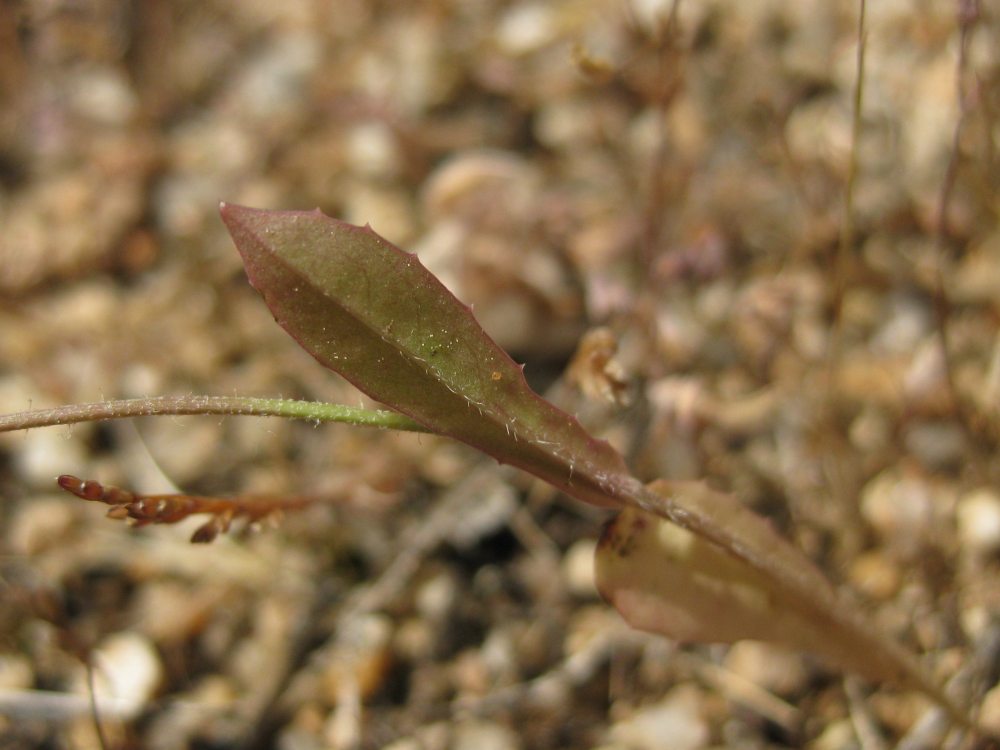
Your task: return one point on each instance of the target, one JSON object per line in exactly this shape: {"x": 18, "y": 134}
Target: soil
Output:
{"x": 667, "y": 211}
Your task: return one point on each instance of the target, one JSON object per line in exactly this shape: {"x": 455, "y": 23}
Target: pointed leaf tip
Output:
{"x": 233, "y": 212}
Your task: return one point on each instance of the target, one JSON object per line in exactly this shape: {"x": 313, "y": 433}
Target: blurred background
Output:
{"x": 662, "y": 181}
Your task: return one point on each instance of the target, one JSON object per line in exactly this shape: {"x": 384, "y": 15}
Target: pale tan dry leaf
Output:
{"x": 596, "y": 371}
{"x": 671, "y": 581}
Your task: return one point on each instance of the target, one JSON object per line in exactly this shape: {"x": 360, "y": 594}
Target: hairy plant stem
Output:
{"x": 313, "y": 411}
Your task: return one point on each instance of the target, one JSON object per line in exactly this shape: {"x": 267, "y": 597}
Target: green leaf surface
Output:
{"x": 680, "y": 559}
{"x": 374, "y": 314}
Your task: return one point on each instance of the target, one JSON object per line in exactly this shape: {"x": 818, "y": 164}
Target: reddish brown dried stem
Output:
{"x": 141, "y": 510}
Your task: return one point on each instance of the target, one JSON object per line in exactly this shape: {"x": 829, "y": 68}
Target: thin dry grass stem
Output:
{"x": 847, "y": 229}
{"x": 422, "y": 537}
{"x": 969, "y": 685}
{"x": 95, "y": 713}
{"x": 140, "y": 510}
{"x": 669, "y": 56}
{"x": 835, "y": 464}
{"x": 864, "y": 724}
{"x": 743, "y": 691}
{"x": 968, "y": 15}
{"x": 574, "y": 670}
{"x": 49, "y": 607}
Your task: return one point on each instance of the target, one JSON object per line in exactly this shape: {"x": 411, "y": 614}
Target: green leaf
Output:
{"x": 374, "y": 314}
{"x": 680, "y": 560}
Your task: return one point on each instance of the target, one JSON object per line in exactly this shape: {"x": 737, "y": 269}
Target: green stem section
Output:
{"x": 313, "y": 411}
